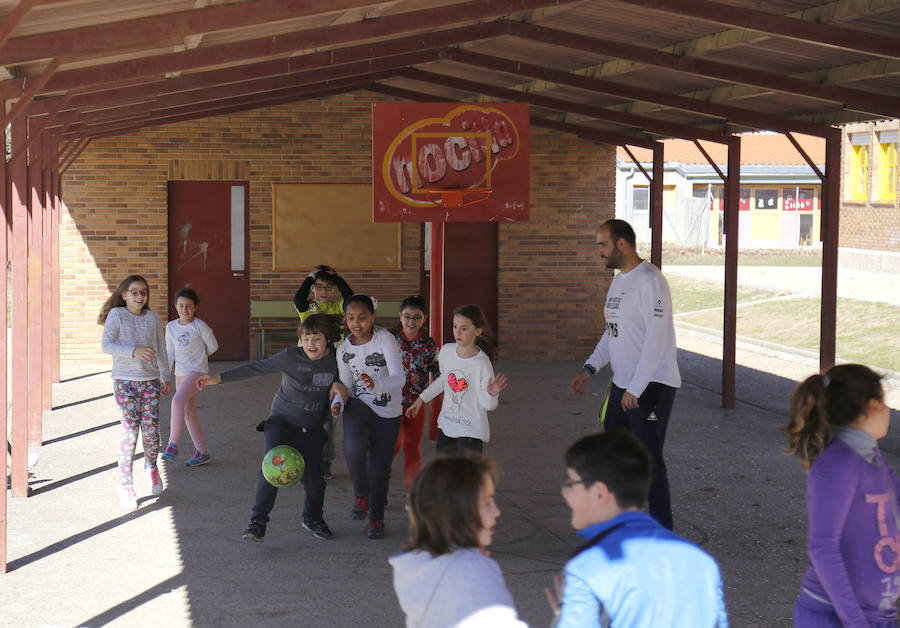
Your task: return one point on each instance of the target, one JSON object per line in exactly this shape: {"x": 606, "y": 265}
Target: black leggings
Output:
{"x": 369, "y": 442}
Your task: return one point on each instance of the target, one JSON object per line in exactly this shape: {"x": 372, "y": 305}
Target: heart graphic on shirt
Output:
{"x": 457, "y": 384}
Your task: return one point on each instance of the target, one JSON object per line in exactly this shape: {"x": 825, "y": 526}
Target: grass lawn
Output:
{"x": 866, "y": 332}
{"x": 759, "y": 257}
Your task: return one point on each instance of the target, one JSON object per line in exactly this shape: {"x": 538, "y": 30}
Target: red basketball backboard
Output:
{"x": 461, "y": 162}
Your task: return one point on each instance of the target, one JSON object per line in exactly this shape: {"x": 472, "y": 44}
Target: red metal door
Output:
{"x": 470, "y": 271}
{"x": 208, "y": 252}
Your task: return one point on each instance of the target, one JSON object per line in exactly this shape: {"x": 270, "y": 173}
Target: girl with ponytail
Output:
{"x": 836, "y": 419}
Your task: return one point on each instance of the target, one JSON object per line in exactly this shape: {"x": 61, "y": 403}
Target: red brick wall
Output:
{"x": 115, "y": 219}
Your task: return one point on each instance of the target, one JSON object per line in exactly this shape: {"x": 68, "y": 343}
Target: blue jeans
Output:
{"x": 648, "y": 422}
{"x": 369, "y": 448}
{"x": 309, "y": 443}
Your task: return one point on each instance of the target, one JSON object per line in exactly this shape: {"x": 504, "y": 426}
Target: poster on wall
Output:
{"x": 450, "y": 162}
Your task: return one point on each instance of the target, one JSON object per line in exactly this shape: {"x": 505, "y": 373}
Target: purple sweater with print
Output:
{"x": 854, "y": 535}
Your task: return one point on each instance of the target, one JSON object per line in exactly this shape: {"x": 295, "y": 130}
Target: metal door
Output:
{"x": 208, "y": 252}
{"x": 470, "y": 271}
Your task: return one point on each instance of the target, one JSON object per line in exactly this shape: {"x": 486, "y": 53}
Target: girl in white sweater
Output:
{"x": 468, "y": 383}
{"x": 133, "y": 336}
{"x": 189, "y": 343}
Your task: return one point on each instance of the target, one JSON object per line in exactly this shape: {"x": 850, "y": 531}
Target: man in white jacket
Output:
{"x": 639, "y": 345}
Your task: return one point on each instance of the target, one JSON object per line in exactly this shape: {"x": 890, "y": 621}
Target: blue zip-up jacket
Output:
{"x": 642, "y": 576}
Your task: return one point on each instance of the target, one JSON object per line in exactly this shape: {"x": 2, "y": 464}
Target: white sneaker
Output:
{"x": 155, "y": 482}
{"x": 126, "y": 498}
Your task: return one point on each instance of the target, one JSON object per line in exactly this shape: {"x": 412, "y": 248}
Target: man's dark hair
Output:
{"x": 616, "y": 458}
{"x": 620, "y": 229}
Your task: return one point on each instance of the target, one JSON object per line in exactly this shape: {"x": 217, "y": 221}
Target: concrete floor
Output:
{"x": 76, "y": 560}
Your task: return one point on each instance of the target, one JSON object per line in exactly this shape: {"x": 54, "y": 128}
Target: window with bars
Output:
{"x": 858, "y": 187}
{"x": 887, "y": 166}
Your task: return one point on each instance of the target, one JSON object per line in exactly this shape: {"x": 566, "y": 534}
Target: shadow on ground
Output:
{"x": 179, "y": 560}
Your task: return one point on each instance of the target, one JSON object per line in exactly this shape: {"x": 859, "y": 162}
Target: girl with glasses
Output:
{"x": 133, "y": 336}
{"x": 419, "y": 354}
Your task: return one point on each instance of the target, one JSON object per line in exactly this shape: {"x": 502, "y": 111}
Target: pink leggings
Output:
{"x": 184, "y": 410}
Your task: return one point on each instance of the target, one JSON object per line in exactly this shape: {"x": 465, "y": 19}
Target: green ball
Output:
{"x": 283, "y": 466}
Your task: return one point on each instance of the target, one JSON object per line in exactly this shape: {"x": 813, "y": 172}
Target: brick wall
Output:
{"x": 115, "y": 219}
{"x": 872, "y": 224}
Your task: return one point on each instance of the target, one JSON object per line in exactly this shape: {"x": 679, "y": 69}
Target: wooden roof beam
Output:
{"x": 737, "y": 115}
{"x": 660, "y": 127}
{"x": 588, "y": 133}
{"x": 269, "y": 47}
{"x": 772, "y": 24}
{"x": 858, "y": 100}
{"x": 201, "y": 107}
{"x": 157, "y": 31}
{"x": 842, "y": 10}
{"x": 840, "y": 74}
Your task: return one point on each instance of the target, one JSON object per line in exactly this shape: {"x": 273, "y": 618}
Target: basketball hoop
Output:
{"x": 457, "y": 197}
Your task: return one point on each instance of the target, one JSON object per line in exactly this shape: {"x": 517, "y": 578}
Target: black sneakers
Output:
{"x": 375, "y": 529}
{"x": 319, "y": 529}
{"x": 256, "y": 531}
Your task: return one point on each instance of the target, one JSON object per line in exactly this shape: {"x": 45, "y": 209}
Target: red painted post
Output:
{"x": 436, "y": 292}
{"x": 35, "y": 292}
{"x": 831, "y": 199}
{"x": 18, "y": 189}
{"x": 54, "y": 253}
{"x": 729, "y": 333}
{"x": 656, "y": 206}
{"x": 46, "y": 269}
{"x": 4, "y": 253}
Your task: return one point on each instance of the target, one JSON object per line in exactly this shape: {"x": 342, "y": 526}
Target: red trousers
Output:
{"x": 410, "y": 439}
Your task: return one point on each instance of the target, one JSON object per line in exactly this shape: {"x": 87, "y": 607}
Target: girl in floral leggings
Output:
{"x": 133, "y": 336}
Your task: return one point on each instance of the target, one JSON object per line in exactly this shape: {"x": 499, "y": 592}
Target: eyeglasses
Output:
{"x": 138, "y": 293}
{"x": 413, "y": 317}
{"x": 324, "y": 287}
{"x": 570, "y": 483}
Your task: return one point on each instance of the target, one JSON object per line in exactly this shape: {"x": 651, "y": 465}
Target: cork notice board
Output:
{"x": 316, "y": 224}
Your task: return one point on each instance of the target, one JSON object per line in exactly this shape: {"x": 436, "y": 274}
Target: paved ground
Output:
{"x": 77, "y": 560}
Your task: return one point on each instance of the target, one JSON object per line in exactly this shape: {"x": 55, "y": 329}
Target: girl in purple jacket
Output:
{"x": 853, "y": 578}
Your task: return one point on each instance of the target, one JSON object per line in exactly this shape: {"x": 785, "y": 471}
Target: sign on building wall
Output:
{"x": 459, "y": 162}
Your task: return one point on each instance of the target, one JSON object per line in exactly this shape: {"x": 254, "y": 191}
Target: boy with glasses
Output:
{"x": 631, "y": 571}
{"x": 329, "y": 291}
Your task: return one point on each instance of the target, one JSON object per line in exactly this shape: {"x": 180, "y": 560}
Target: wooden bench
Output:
{"x": 278, "y": 319}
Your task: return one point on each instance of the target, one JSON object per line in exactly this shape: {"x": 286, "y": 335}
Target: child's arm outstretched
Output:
{"x": 434, "y": 389}
{"x": 162, "y": 359}
{"x": 337, "y": 395}
{"x": 490, "y": 388}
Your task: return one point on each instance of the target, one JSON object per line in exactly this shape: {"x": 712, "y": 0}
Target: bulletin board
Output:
{"x": 316, "y": 224}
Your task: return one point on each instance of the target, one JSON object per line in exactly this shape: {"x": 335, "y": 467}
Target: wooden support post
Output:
{"x": 656, "y": 206}
{"x": 56, "y": 201}
{"x": 35, "y": 293}
{"x": 18, "y": 190}
{"x": 436, "y": 293}
{"x": 46, "y": 270}
{"x": 729, "y": 333}
{"x": 4, "y": 254}
{"x": 831, "y": 199}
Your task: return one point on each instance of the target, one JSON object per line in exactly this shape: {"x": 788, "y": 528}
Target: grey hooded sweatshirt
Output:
{"x": 461, "y": 589}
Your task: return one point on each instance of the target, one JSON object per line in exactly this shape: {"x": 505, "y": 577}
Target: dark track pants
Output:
{"x": 648, "y": 422}
{"x": 369, "y": 442}
{"x": 309, "y": 443}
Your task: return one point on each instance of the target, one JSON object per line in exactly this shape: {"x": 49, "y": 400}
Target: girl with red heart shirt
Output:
{"x": 468, "y": 382}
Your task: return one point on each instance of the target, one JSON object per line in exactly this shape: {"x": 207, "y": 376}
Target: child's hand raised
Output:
{"x": 415, "y": 407}
{"x": 497, "y": 384}
{"x": 367, "y": 380}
